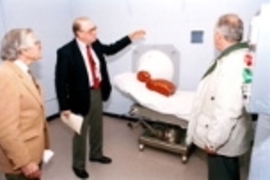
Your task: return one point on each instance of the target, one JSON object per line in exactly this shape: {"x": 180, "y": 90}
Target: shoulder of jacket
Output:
{"x": 66, "y": 47}
{"x": 238, "y": 53}
{"x": 97, "y": 42}
{"x": 5, "y": 73}
{"x": 236, "y": 57}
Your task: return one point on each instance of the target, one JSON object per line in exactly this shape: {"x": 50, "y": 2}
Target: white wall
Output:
{"x": 166, "y": 22}
{"x": 2, "y": 27}
{"x": 51, "y": 21}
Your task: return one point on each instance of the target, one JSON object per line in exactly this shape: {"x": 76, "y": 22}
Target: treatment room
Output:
{"x": 134, "y": 90}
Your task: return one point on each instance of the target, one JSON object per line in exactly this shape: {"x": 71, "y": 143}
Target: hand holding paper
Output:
{"x": 73, "y": 121}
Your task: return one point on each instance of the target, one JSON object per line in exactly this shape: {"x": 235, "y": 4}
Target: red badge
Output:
{"x": 248, "y": 59}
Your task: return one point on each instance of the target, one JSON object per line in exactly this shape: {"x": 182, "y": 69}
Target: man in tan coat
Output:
{"x": 220, "y": 124}
{"x": 23, "y": 128}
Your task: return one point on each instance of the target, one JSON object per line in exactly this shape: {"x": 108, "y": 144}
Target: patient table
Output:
{"x": 165, "y": 119}
{"x": 170, "y": 136}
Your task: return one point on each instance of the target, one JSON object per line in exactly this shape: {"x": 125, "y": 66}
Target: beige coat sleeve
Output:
{"x": 10, "y": 138}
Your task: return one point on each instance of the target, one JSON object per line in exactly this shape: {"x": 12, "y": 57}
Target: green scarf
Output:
{"x": 227, "y": 51}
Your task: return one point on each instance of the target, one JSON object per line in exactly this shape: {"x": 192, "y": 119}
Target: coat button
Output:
{"x": 212, "y": 98}
{"x": 206, "y": 126}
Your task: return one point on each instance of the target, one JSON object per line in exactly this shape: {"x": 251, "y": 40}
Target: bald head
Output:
{"x": 80, "y": 23}
{"x": 231, "y": 27}
{"x": 84, "y": 29}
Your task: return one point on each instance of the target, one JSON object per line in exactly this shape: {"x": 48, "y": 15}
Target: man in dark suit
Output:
{"x": 82, "y": 83}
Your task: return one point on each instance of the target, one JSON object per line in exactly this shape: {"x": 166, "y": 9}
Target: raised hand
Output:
{"x": 138, "y": 34}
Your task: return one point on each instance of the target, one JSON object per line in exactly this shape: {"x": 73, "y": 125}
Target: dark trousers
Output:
{"x": 20, "y": 176}
{"x": 223, "y": 168}
{"x": 17, "y": 177}
{"x": 92, "y": 129}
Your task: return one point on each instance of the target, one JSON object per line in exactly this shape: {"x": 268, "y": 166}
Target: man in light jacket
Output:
{"x": 220, "y": 124}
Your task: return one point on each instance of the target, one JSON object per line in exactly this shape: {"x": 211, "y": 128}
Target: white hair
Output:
{"x": 13, "y": 42}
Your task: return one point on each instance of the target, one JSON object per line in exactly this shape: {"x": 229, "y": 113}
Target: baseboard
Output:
{"x": 52, "y": 117}
{"x": 125, "y": 117}
{"x": 119, "y": 116}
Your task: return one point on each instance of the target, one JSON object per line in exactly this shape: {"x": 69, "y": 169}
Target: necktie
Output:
{"x": 33, "y": 79}
{"x": 92, "y": 68}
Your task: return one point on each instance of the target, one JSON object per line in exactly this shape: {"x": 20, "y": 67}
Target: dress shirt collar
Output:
{"x": 22, "y": 65}
{"x": 81, "y": 44}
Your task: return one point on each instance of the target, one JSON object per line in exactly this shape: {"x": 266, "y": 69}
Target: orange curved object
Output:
{"x": 143, "y": 76}
{"x": 161, "y": 86}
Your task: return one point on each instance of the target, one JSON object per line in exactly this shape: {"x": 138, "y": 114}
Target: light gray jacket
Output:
{"x": 219, "y": 119}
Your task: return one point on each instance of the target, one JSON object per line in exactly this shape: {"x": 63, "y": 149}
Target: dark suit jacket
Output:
{"x": 72, "y": 81}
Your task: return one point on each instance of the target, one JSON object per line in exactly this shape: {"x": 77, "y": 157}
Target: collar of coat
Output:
{"x": 237, "y": 46}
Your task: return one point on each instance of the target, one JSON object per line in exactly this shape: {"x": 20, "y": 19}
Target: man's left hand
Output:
{"x": 137, "y": 34}
{"x": 209, "y": 151}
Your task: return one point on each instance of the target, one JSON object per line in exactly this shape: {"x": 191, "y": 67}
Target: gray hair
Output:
{"x": 231, "y": 27}
{"x": 13, "y": 42}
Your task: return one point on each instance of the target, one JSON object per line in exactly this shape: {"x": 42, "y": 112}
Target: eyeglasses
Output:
{"x": 89, "y": 31}
{"x": 37, "y": 42}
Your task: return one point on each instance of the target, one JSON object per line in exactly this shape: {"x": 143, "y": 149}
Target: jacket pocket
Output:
{"x": 202, "y": 127}
{"x": 26, "y": 136}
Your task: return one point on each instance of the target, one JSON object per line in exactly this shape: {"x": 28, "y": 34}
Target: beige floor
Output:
{"x": 120, "y": 143}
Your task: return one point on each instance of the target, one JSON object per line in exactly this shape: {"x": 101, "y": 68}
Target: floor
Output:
{"x": 121, "y": 144}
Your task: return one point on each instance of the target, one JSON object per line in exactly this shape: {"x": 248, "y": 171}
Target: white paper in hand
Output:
{"x": 74, "y": 121}
{"x": 47, "y": 156}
